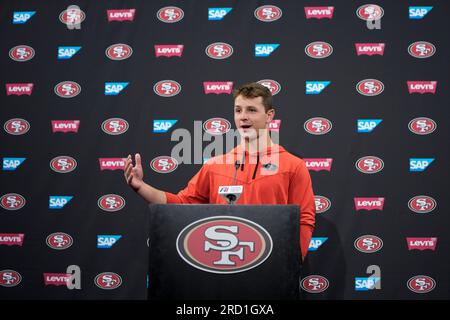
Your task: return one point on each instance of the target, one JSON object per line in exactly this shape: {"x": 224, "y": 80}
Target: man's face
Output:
{"x": 250, "y": 116}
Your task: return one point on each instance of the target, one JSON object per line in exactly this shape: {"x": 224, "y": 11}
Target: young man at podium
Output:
{"x": 267, "y": 173}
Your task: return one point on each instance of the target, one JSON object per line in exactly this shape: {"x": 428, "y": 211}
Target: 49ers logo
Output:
{"x": 421, "y": 49}
{"x": 119, "y": 51}
{"x": 268, "y": 13}
{"x": 370, "y": 87}
{"x": 219, "y": 50}
{"x": 72, "y": 16}
{"x": 422, "y": 126}
{"x": 318, "y": 126}
{"x": 167, "y": 88}
{"x": 216, "y": 126}
{"x": 21, "y": 53}
{"x": 322, "y": 204}
{"x": 12, "y": 201}
{"x": 111, "y": 202}
{"x": 224, "y": 244}
{"x": 368, "y": 244}
{"x": 164, "y": 164}
{"x": 421, "y": 284}
{"x": 115, "y": 126}
{"x": 272, "y": 85}
{"x": 422, "y": 204}
{"x": 369, "y": 164}
{"x": 319, "y": 50}
{"x": 59, "y": 241}
{"x": 370, "y": 12}
{"x": 314, "y": 284}
{"x": 9, "y": 278}
{"x": 67, "y": 89}
{"x": 63, "y": 164}
{"x": 16, "y": 126}
{"x": 170, "y": 14}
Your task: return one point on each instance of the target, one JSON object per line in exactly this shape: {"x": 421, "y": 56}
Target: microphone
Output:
{"x": 230, "y": 193}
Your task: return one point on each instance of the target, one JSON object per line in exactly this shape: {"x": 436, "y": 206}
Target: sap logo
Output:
{"x": 161, "y": 126}
{"x": 218, "y": 13}
{"x": 58, "y": 202}
{"x": 65, "y": 53}
{"x": 419, "y": 164}
{"x": 21, "y": 17}
{"x": 316, "y": 87}
{"x": 417, "y": 13}
{"x": 11, "y": 164}
{"x": 107, "y": 241}
{"x": 315, "y": 243}
{"x": 265, "y": 50}
{"x": 114, "y": 88}
{"x": 367, "y": 125}
{"x": 365, "y": 284}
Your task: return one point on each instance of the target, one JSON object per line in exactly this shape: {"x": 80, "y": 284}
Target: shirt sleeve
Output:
{"x": 301, "y": 193}
{"x": 196, "y": 192}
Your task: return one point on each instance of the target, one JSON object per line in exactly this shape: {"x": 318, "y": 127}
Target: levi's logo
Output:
{"x": 319, "y": 164}
{"x": 421, "y": 243}
{"x": 218, "y": 87}
{"x": 112, "y": 163}
{"x": 319, "y": 12}
{"x": 120, "y": 15}
{"x": 19, "y": 89}
{"x": 65, "y": 126}
{"x": 169, "y": 50}
{"x": 369, "y": 203}
{"x": 369, "y": 49}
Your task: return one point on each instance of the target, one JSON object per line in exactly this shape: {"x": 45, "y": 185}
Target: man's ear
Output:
{"x": 270, "y": 114}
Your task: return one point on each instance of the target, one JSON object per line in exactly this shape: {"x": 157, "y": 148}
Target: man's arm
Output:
{"x": 134, "y": 177}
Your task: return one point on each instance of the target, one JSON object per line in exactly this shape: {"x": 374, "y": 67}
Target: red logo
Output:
{"x": 224, "y": 244}
{"x": 421, "y": 49}
{"x": 216, "y": 126}
{"x": 21, "y": 53}
{"x": 369, "y": 164}
{"x": 318, "y": 164}
{"x": 111, "y": 202}
{"x": 19, "y": 89}
{"x": 422, "y": 86}
{"x": 119, "y": 51}
{"x": 12, "y": 239}
{"x": 370, "y": 87}
{"x": 169, "y": 50}
{"x": 164, "y": 164}
{"x": 268, "y": 13}
{"x": 219, "y": 50}
{"x": 370, "y": 12}
{"x": 120, "y": 15}
{"x": 115, "y": 126}
{"x": 319, "y": 50}
{"x": 369, "y": 203}
{"x": 322, "y": 204}
{"x": 72, "y": 16}
{"x": 318, "y": 126}
{"x": 59, "y": 241}
{"x": 319, "y": 12}
{"x": 167, "y": 88}
{"x": 112, "y": 163}
{"x": 16, "y": 126}
{"x": 67, "y": 89}
{"x": 170, "y": 14}
{"x": 369, "y": 49}
{"x": 12, "y": 201}
{"x": 65, "y": 125}
{"x": 57, "y": 279}
{"x": 422, "y": 204}
{"x": 368, "y": 244}
{"x": 218, "y": 87}
{"x": 272, "y": 85}
{"x": 422, "y": 126}
{"x": 421, "y": 284}
{"x": 421, "y": 244}
{"x": 63, "y": 164}
{"x": 9, "y": 278}
{"x": 108, "y": 280}
{"x": 314, "y": 284}
{"x": 275, "y": 125}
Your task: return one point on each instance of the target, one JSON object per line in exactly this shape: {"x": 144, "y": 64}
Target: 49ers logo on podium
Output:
{"x": 67, "y": 89}
{"x": 111, "y": 202}
{"x": 217, "y": 126}
{"x": 224, "y": 244}
{"x": 164, "y": 164}
{"x": 314, "y": 284}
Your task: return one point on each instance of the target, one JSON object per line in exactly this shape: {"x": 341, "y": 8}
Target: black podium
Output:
{"x": 220, "y": 252}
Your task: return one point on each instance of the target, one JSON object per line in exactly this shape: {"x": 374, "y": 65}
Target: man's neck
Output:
{"x": 259, "y": 144}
